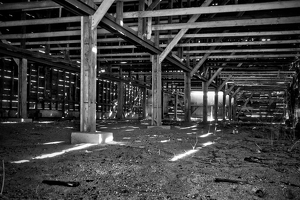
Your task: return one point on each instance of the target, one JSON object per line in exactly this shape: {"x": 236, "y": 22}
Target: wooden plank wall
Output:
{"x": 54, "y": 89}
{"x": 263, "y": 106}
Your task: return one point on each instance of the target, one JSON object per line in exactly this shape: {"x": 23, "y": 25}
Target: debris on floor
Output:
{"x": 189, "y": 161}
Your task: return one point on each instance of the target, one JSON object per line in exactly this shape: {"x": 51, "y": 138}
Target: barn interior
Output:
{"x": 149, "y": 99}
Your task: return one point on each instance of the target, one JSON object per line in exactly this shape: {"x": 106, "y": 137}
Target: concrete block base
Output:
{"x": 163, "y": 127}
{"x": 94, "y": 138}
{"x": 27, "y": 120}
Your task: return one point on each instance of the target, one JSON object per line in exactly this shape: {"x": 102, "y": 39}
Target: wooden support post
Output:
{"x": 216, "y": 105}
{"x": 187, "y": 96}
{"x": 119, "y": 17}
{"x": 144, "y": 103}
{"x": 57, "y": 89}
{"x": 149, "y": 23}
{"x": 156, "y": 92}
{"x": 22, "y": 104}
{"x": 224, "y": 106}
{"x": 156, "y": 84}
{"x": 12, "y": 78}
{"x": 205, "y": 90}
{"x": 120, "y": 97}
{"x": 29, "y": 84}
{"x": 229, "y": 108}
{"x": 64, "y": 108}
{"x": 141, "y": 20}
{"x": 234, "y": 118}
{"x": 88, "y": 76}
{"x": 2, "y": 82}
{"x": 75, "y": 91}
{"x": 176, "y": 105}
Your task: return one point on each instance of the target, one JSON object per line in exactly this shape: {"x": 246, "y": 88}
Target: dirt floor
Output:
{"x": 188, "y": 161}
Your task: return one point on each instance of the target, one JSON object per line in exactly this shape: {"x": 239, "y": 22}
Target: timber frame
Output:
{"x": 234, "y": 46}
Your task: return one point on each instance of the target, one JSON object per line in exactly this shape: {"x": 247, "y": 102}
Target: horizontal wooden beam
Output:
{"x": 214, "y": 9}
{"x": 183, "y": 45}
{"x": 237, "y": 34}
{"x": 235, "y": 43}
{"x": 228, "y": 23}
{"x": 103, "y": 31}
{"x": 59, "y": 20}
{"x": 16, "y": 52}
{"x": 245, "y": 56}
{"x": 261, "y": 50}
{"x": 29, "y": 5}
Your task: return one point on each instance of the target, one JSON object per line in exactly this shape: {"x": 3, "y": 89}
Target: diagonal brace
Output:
{"x": 214, "y": 76}
{"x": 224, "y": 82}
{"x": 181, "y": 33}
{"x": 100, "y": 12}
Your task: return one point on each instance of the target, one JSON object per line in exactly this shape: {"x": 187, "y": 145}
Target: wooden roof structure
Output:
{"x": 247, "y": 43}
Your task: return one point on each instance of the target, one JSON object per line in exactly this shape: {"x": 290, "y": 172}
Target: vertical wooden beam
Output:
{"x": 57, "y": 90}
{"x": 38, "y": 86}
{"x": 88, "y": 76}
{"x": 156, "y": 92}
{"x": 229, "y": 108}
{"x": 2, "y": 64}
{"x": 119, "y": 17}
{"x": 141, "y": 20}
{"x": 205, "y": 90}
{"x": 234, "y": 115}
{"x": 216, "y": 105}
{"x": 64, "y": 107}
{"x": 22, "y": 103}
{"x": 176, "y": 105}
{"x": 170, "y": 19}
{"x": 120, "y": 97}
{"x": 187, "y": 96}
{"x": 224, "y": 106}
{"x": 70, "y": 98}
{"x": 29, "y": 84}
{"x": 156, "y": 83}
{"x": 75, "y": 90}
{"x": 149, "y": 22}
{"x": 144, "y": 103}
{"x": 12, "y": 77}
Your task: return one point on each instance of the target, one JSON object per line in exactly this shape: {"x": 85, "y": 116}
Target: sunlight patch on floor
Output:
{"x": 183, "y": 128}
{"x": 56, "y": 142}
{"x": 182, "y": 155}
{"x": 192, "y": 151}
{"x": 190, "y": 133}
{"x": 51, "y": 155}
{"x": 46, "y": 122}
{"x": 20, "y": 161}
{"x": 128, "y": 130}
{"x": 207, "y": 143}
{"x": 205, "y": 135}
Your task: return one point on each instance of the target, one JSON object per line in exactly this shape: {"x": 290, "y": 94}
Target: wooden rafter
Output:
{"x": 181, "y": 33}
{"x": 215, "y": 9}
{"x": 229, "y": 23}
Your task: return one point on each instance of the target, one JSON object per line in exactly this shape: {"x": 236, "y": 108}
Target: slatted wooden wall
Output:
{"x": 54, "y": 89}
